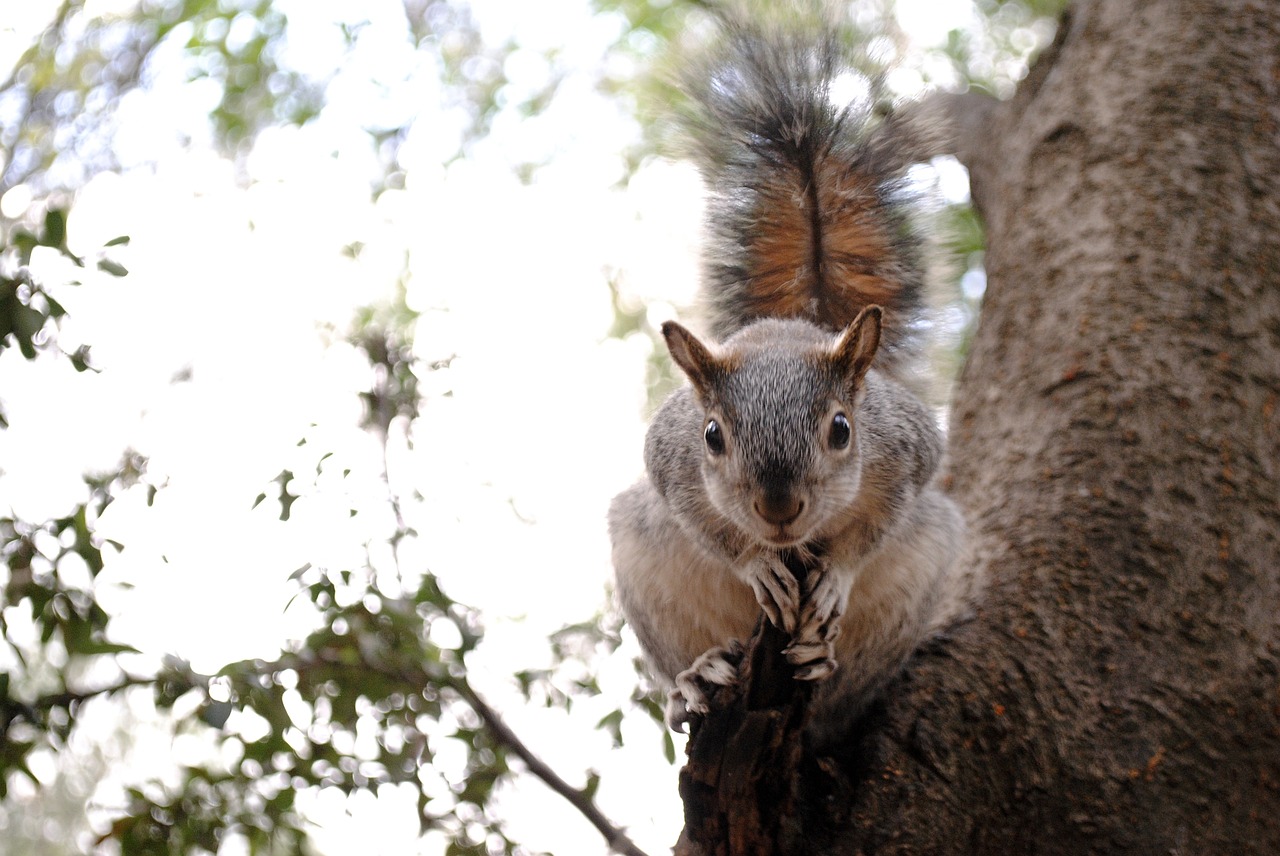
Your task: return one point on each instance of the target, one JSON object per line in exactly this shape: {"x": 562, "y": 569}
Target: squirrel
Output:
{"x": 796, "y": 431}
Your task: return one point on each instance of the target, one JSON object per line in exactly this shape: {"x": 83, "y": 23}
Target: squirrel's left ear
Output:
{"x": 691, "y": 355}
{"x": 858, "y": 343}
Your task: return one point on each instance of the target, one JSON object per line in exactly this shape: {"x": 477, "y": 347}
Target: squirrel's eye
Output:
{"x": 714, "y": 437}
{"x": 840, "y": 432}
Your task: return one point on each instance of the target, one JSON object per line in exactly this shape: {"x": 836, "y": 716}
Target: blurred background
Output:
{"x": 326, "y": 336}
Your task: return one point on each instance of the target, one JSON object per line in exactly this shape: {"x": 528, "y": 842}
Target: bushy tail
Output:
{"x": 807, "y": 211}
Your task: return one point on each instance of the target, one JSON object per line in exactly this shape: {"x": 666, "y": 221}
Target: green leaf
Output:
{"x": 14, "y": 756}
{"x": 26, "y": 323}
{"x": 25, "y": 242}
{"x": 112, "y": 267}
{"x": 116, "y": 242}
{"x": 216, "y": 713}
{"x": 55, "y": 228}
{"x": 286, "y": 499}
{"x": 80, "y": 359}
{"x": 94, "y": 647}
{"x": 77, "y": 635}
{"x": 592, "y": 785}
{"x": 612, "y": 723}
{"x": 84, "y": 545}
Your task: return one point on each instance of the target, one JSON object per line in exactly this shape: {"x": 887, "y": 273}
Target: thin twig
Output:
{"x": 34, "y": 711}
{"x": 617, "y": 839}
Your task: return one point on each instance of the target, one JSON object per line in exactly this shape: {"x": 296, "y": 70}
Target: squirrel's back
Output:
{"x": 808, "y": 215}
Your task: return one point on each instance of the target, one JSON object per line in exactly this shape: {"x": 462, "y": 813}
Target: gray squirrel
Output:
{"x": 795, "y": 432}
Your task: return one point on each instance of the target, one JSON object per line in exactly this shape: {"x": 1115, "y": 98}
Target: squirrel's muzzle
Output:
{"x": 779, "y": 508}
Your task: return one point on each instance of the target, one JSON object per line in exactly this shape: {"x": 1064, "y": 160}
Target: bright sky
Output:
{"x": 543, "y": 418}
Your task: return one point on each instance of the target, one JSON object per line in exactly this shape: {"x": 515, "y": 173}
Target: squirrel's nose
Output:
{"x": 779, "y": 509}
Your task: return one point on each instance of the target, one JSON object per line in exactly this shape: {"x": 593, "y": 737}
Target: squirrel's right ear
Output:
{"x": 858, "y": 343}
{"x": 691, "y": 355}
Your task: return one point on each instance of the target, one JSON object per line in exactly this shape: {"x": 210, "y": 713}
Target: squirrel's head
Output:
{"x": 779, "y": 429}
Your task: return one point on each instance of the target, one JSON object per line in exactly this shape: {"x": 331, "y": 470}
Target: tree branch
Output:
{"x": 12, "y": 710}
{"x": 617, "y": 839}
{"x": 743, "y": 786}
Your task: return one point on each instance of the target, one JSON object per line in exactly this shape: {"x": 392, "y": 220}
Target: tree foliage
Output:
{"x": 366, "y": 700}
{"x": 361, "y": 704}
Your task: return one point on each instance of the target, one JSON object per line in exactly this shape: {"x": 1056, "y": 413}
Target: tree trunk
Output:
{"x": 1116, "y": 444}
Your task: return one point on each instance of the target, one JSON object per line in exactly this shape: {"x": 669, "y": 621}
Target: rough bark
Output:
{"x": 740, "y": 784}
{"x": 1116, "y": 444}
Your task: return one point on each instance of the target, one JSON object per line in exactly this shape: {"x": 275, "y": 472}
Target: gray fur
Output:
{"x": 686, "y": 537}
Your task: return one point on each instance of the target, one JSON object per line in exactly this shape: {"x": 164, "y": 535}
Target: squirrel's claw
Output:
{"x": 677, "y": 713}
{"x": 814, "y": 661}
{"x": 827, "y": 595}
{"x": 812, "y": 649}
{"x": 776, "y": 590}
{"x": 819, "y": 671}
{"x": 689, "y": 698}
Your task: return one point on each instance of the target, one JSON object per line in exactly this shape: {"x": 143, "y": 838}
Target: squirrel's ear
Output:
{"x": 691, "y": 355}
{"x": 858, "y": 343}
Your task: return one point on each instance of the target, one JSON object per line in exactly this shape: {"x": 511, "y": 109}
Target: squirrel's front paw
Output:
{"x": 716, "y": 667}
{"x": 812, "y": 649}
{"x": 777, "y": 590}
